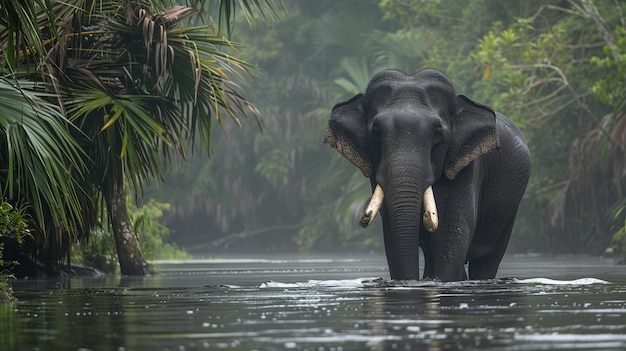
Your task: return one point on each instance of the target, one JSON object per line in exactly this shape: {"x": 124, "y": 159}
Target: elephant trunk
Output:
{"x": 403, "y": 207}
{"x": 430, "y": 219}
{"x": 406, "y": 191}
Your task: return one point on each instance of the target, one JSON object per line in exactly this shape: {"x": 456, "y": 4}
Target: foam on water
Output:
{"x": 341, "y": 283}
{"x": 568, "y": 337}
{"x": 380, "y": 282}
{"x": 547, "y": 281}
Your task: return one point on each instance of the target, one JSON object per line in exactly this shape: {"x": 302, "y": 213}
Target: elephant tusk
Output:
{"x": 373, "y": 207}
{"x": 431, "y": 219}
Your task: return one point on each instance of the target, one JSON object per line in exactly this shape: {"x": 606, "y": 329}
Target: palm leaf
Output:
{"x": 267, "y": 10}
{"x": 42, "y": 157}
{"x": 358, "y": 75}
{"x": 21, "y": 32}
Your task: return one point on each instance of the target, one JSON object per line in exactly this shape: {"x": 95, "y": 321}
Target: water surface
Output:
{"x": 323, "y": 304}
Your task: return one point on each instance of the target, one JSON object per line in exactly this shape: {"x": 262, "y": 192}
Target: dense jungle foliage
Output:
{"x": 97, "y": 98}
{"x": 125, "y": 112}
{"x": 556, "y": 68}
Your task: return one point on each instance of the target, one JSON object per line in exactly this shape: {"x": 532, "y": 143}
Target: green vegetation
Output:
{"x": 99, "y": 250}
{"x": 557, "y": 70}
{"x": 99, "y": 96}
{"x": 152, "y": 234}
{"x": 85, "y": 117}
{"x": 14, "y": 225}
{"x": 562, "y": 74}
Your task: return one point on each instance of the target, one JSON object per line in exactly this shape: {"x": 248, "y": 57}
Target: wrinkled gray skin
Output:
{"x": 408, "y": 132}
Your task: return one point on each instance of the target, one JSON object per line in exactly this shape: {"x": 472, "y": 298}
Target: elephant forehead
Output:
{"x": 424, "y": 77}
{"x": 407, "y": 95}
{"x": 402, "y": 117}
{"x": 393, "y": 89}
{"x": 427, "y": 88}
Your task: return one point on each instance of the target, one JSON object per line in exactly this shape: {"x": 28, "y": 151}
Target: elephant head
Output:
{"x": 406, "y": 133}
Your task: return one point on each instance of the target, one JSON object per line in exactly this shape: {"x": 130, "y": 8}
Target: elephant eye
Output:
{"x": 375, "y": 129}
{"x": 375, "y": 132}
{"x": 437, "y": 134}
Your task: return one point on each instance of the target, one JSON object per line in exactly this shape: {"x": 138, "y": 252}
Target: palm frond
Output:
{"x": 42, "y": 157}
{"x": 148, "y": 84}
{"x": 21, "y": 32}
{"x": 267, "y": 10}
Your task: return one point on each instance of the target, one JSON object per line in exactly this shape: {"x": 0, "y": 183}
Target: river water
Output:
{"x": 538, "y": 303}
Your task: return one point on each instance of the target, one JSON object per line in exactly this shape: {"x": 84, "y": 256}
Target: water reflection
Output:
{"x": 416, "y": 313}
{"x": 436, "y": 317}
{"x": 249, "y": 306}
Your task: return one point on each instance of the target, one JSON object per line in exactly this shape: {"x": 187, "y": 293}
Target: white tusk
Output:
{"x": 373, "y": 207}
{"x": 431, "y": 219}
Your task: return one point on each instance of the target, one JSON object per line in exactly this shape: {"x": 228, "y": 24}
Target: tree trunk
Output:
{"x": 129, "y": 253}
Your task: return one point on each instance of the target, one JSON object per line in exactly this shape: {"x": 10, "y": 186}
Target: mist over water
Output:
{"x": 571, "y": 303}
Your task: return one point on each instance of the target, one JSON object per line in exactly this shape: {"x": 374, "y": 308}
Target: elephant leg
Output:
{"x": 449, "y": 255}
{"x": 392, "y": 263}
{"x": 445, "y": 250}
{"x": 448, "y": 245}
{"x": 429, "y": 260}
{"x": 486, "y": 267}
{"x": 428, "y": 263}
{"x": 389, "y": 251}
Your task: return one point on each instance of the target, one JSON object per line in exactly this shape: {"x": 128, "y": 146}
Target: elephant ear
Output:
{"x": 347, "y": 133}
{"x": 473, "y": 135}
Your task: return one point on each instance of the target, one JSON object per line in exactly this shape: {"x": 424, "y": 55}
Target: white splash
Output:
{"x": 547, "y": 281}
{"x": 374, "y": 282}
{"x": 341, "y": 283}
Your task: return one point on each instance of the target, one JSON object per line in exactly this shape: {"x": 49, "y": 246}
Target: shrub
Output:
{"x": 14, "y": 225}
{"x": 99, "y": 250}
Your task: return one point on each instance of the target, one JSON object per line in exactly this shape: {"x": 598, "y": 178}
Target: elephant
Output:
{"x": 420, "y": 142}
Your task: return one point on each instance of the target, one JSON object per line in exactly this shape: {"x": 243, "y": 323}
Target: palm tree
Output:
{"x": 41, "y": 162}
{"x": 140, "y": 85}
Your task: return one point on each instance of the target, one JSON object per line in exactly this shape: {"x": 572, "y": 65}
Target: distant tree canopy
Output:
{"x": 557, "y": 69}
{"x": 560, "y": 73}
